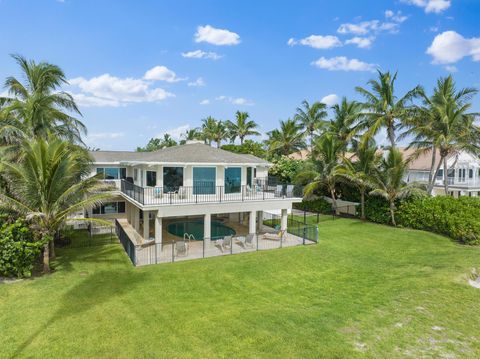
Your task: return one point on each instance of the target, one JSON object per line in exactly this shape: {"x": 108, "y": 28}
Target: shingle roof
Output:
{"x": 189, "y": 153}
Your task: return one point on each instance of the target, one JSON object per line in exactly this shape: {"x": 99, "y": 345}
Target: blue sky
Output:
{"x": 142, "y": 68}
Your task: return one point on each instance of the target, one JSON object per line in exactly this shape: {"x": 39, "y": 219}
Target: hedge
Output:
{"x": 319, "y": 205}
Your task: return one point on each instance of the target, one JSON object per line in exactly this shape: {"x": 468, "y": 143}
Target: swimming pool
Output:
{"x": 195, "y": 227}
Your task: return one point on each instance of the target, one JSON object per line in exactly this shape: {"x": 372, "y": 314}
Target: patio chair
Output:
{"x": 157, "y": 192}
{"x": 289, "y": 191}
{"x": 277, "y": 236}
{"x": 278, "y": 190}
{"x": 181, "y": 248}
{"x": 182, "y": 193}
{"x": 227, "y": 242}
{"x": 249, "y": 240}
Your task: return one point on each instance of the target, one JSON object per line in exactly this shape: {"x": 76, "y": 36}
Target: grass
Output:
{"x": 364, "y": 291}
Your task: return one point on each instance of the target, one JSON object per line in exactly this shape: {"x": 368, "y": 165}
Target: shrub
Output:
{"x": 319, "y": 205}
{"x": 285, "y": 169}
{"x": 18, "y": 250}
{"x": 458, "y": 218}
{"x": 377, "y": 210}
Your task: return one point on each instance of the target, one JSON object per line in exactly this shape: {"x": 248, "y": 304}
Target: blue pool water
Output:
{"x": 195, "y": 227}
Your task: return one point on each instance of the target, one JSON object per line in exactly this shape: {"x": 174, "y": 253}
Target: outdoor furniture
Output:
{"x": 278, "y": 236}
{"x": 278, "y": 190}
{"x": 181, "y": 248}
{"x": 289, "y": 191}
{"x": 182, "y": 193}
{"x": 249, "y": 240}
{"x": 157, "y": 192}
{"x": 227, "y": 242}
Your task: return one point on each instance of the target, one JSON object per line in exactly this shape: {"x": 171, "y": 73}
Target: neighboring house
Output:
{"x": 178, "y": 189}
{"x": 463, "y": 171}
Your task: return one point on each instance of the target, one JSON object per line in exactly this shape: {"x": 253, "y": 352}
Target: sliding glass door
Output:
{"x": 233, "y": 179}
{"x": 172, "y": 178}
{"x": 204, "y": 180}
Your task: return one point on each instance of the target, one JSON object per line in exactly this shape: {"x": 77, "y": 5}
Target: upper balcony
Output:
{"x": 208, "y": 193}
{"x": 458, "y": 182}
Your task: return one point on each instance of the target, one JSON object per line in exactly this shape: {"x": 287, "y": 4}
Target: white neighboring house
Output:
{"x": 188, "y": 182}
{"x": 463, "y": 173}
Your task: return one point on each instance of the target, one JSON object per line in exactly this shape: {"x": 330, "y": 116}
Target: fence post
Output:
{"x": 258, "y": 237}
{"x": 231, "y": 245}
{"x": 304, "y": 234}
{"x": 304, "y": 216}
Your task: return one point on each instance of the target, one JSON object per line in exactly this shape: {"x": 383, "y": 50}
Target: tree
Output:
{"x": 344, "y": 125}
{"x": 38, "y": 106}
{"x": 311, "y": 117}
{"x": 214, "y": 131}
{"x": 287, "y": 139}
{"x": 190, "y": 135}
{"x": 388, "y": 181}
{"x": 326, "y": 152}
{"x": 248, "y": 147}
{"x": 360, "y": 169}
{"x": 382, "y": 107}
{"x": 47, "y": 183}
{"x": 156, "y": 144}
{"x": 447, "y": 125}
{"x": 242, "y": 127}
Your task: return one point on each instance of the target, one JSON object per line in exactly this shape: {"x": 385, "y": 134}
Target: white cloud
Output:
{"x": 397, "y": 17}
{"x": 161, "y": 73}
{"x": 175, "y": 133}
{"x": 435, "y": 6}
{"x": 331, "y": 99}
{"x": 317, "y": 41}
{"x": 341, "y": 63}
{"x": 108, "y": 90}
{"x": 205, "y": 102}
{"x": 235, "y": 100}
{"x": 451, "y": 68}
{"x": 197, "y": 83}
{"x": 374, "y": 26}
{"x": 215, "y": 36}
{"x": 450, "y": 47}
{"x": 361, "y": 42}
{"x": 434, "y": 28}
{"x": 199, "y": 54}
{"x": 361, "y": 28}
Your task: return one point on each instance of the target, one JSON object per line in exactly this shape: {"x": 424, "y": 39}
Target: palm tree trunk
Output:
{"x": 432, "y": 175}
{"x": 46, "y": 258}
{"x": 445, "y": 175}
{"x": 241, "y": 140}
{"x": 334, "y": 201}
{"x": 391, "y": 136}
{"x": 392, "y": 213}
{"x": 52, "y": 249}
{"x": 362, "y": 203}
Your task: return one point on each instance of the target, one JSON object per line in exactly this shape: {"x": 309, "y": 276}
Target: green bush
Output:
{"x": 319, "y": 205}
{"x": 458, "y": 218}
{"x": 18, "y": 250}
{"x": 377, "y": 210}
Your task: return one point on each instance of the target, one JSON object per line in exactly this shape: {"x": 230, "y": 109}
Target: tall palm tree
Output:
{"x": 242, "y": 127}
{"x": 388, "y": 181}
{"x": 167, "y": 141}
{"x": 360, "y": 169}
{"x": 208, "y": 128}
{"x": 383, "y": 109}
{"x": 190, "y": 135}
{"x": 46, "y": 183}
{"x": 287, "y": 139}
{"x": 451, "y": 127}
{"x": 326, "y": 153}
{"x": 311, "y": 117}
{"x": 39, "y": 106}
{"x": 344, "y": 124}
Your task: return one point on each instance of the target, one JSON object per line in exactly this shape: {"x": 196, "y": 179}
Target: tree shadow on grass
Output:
{"x": 96, "y": 289}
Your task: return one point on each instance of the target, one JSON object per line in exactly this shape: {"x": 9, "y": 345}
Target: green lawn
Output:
{"x": 364, "y": 291}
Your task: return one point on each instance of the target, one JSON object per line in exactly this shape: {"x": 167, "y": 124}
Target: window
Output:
{"x": 135, "y": 174}
{"x": 470, "y": 173}
{"x": 172, "y": 178}
{"x": 204, "y": 180}
{"x": 440, "y": 173}
{"x": 249, "y": 176}
{"x": 110, "y": 208}
{"x": 151, "y": 178}
{"x": 110, "y": 173}
{"x": 233, "y": 179}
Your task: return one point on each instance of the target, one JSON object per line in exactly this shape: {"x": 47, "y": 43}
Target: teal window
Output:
{"x": 172, "y": 178}
{"x": 233, "y": 179}
{"x": 112, "y": 172}
{"x": 204, "y": 180}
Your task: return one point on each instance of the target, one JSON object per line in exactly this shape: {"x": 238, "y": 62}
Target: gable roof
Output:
{"x": 194, "y": 153}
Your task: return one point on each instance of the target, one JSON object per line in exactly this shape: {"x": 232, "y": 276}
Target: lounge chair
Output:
{"x": 227, "y": 242}
{"x": 182, "y": 193}
{"x": 181, "y": 248}
{"x": 249, "y": 240}
{"x": 157, "y": 192}
{"x": 277, "y": 236}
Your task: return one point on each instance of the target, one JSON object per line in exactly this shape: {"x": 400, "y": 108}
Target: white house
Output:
{"x": 191, "y": 190}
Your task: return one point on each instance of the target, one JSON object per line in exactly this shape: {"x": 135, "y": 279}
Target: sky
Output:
{"x": 139, "y": 69}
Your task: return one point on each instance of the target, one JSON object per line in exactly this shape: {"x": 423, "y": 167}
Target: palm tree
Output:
{"x": 450, "y": 126}
{"x": 311, "y": 117}
{"x": 209, "y": 126}
{"x": 287, "y": 139}
{"x": 388, "y": 181}
{"x": 383, "y": 108}
{"x": 167, "y": 141}
{"x": 326, "y": 153}
{"x": 242, "y": 127}
{"x": 344, "y": 124}
{"x": 360, "y": 169}
{"x": 46, "y": 183}
{"x": 38, "y": 105}
{"x": 190, "y": 135}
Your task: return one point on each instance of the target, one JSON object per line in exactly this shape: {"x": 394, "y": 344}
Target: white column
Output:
{"x": 207, "y": 230}
{"x": 252, "y": 222}
{"x": 146, "y": 225}
{"x": 158, "y": 229}
{"x": 284, "y": 220}
{"x": 159, "y": 176}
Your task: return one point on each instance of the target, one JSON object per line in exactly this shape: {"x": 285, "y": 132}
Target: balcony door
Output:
{"x": 204, "y": 179}
{"x": 151, "y": 178}
{"x": 172, "y": 179}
